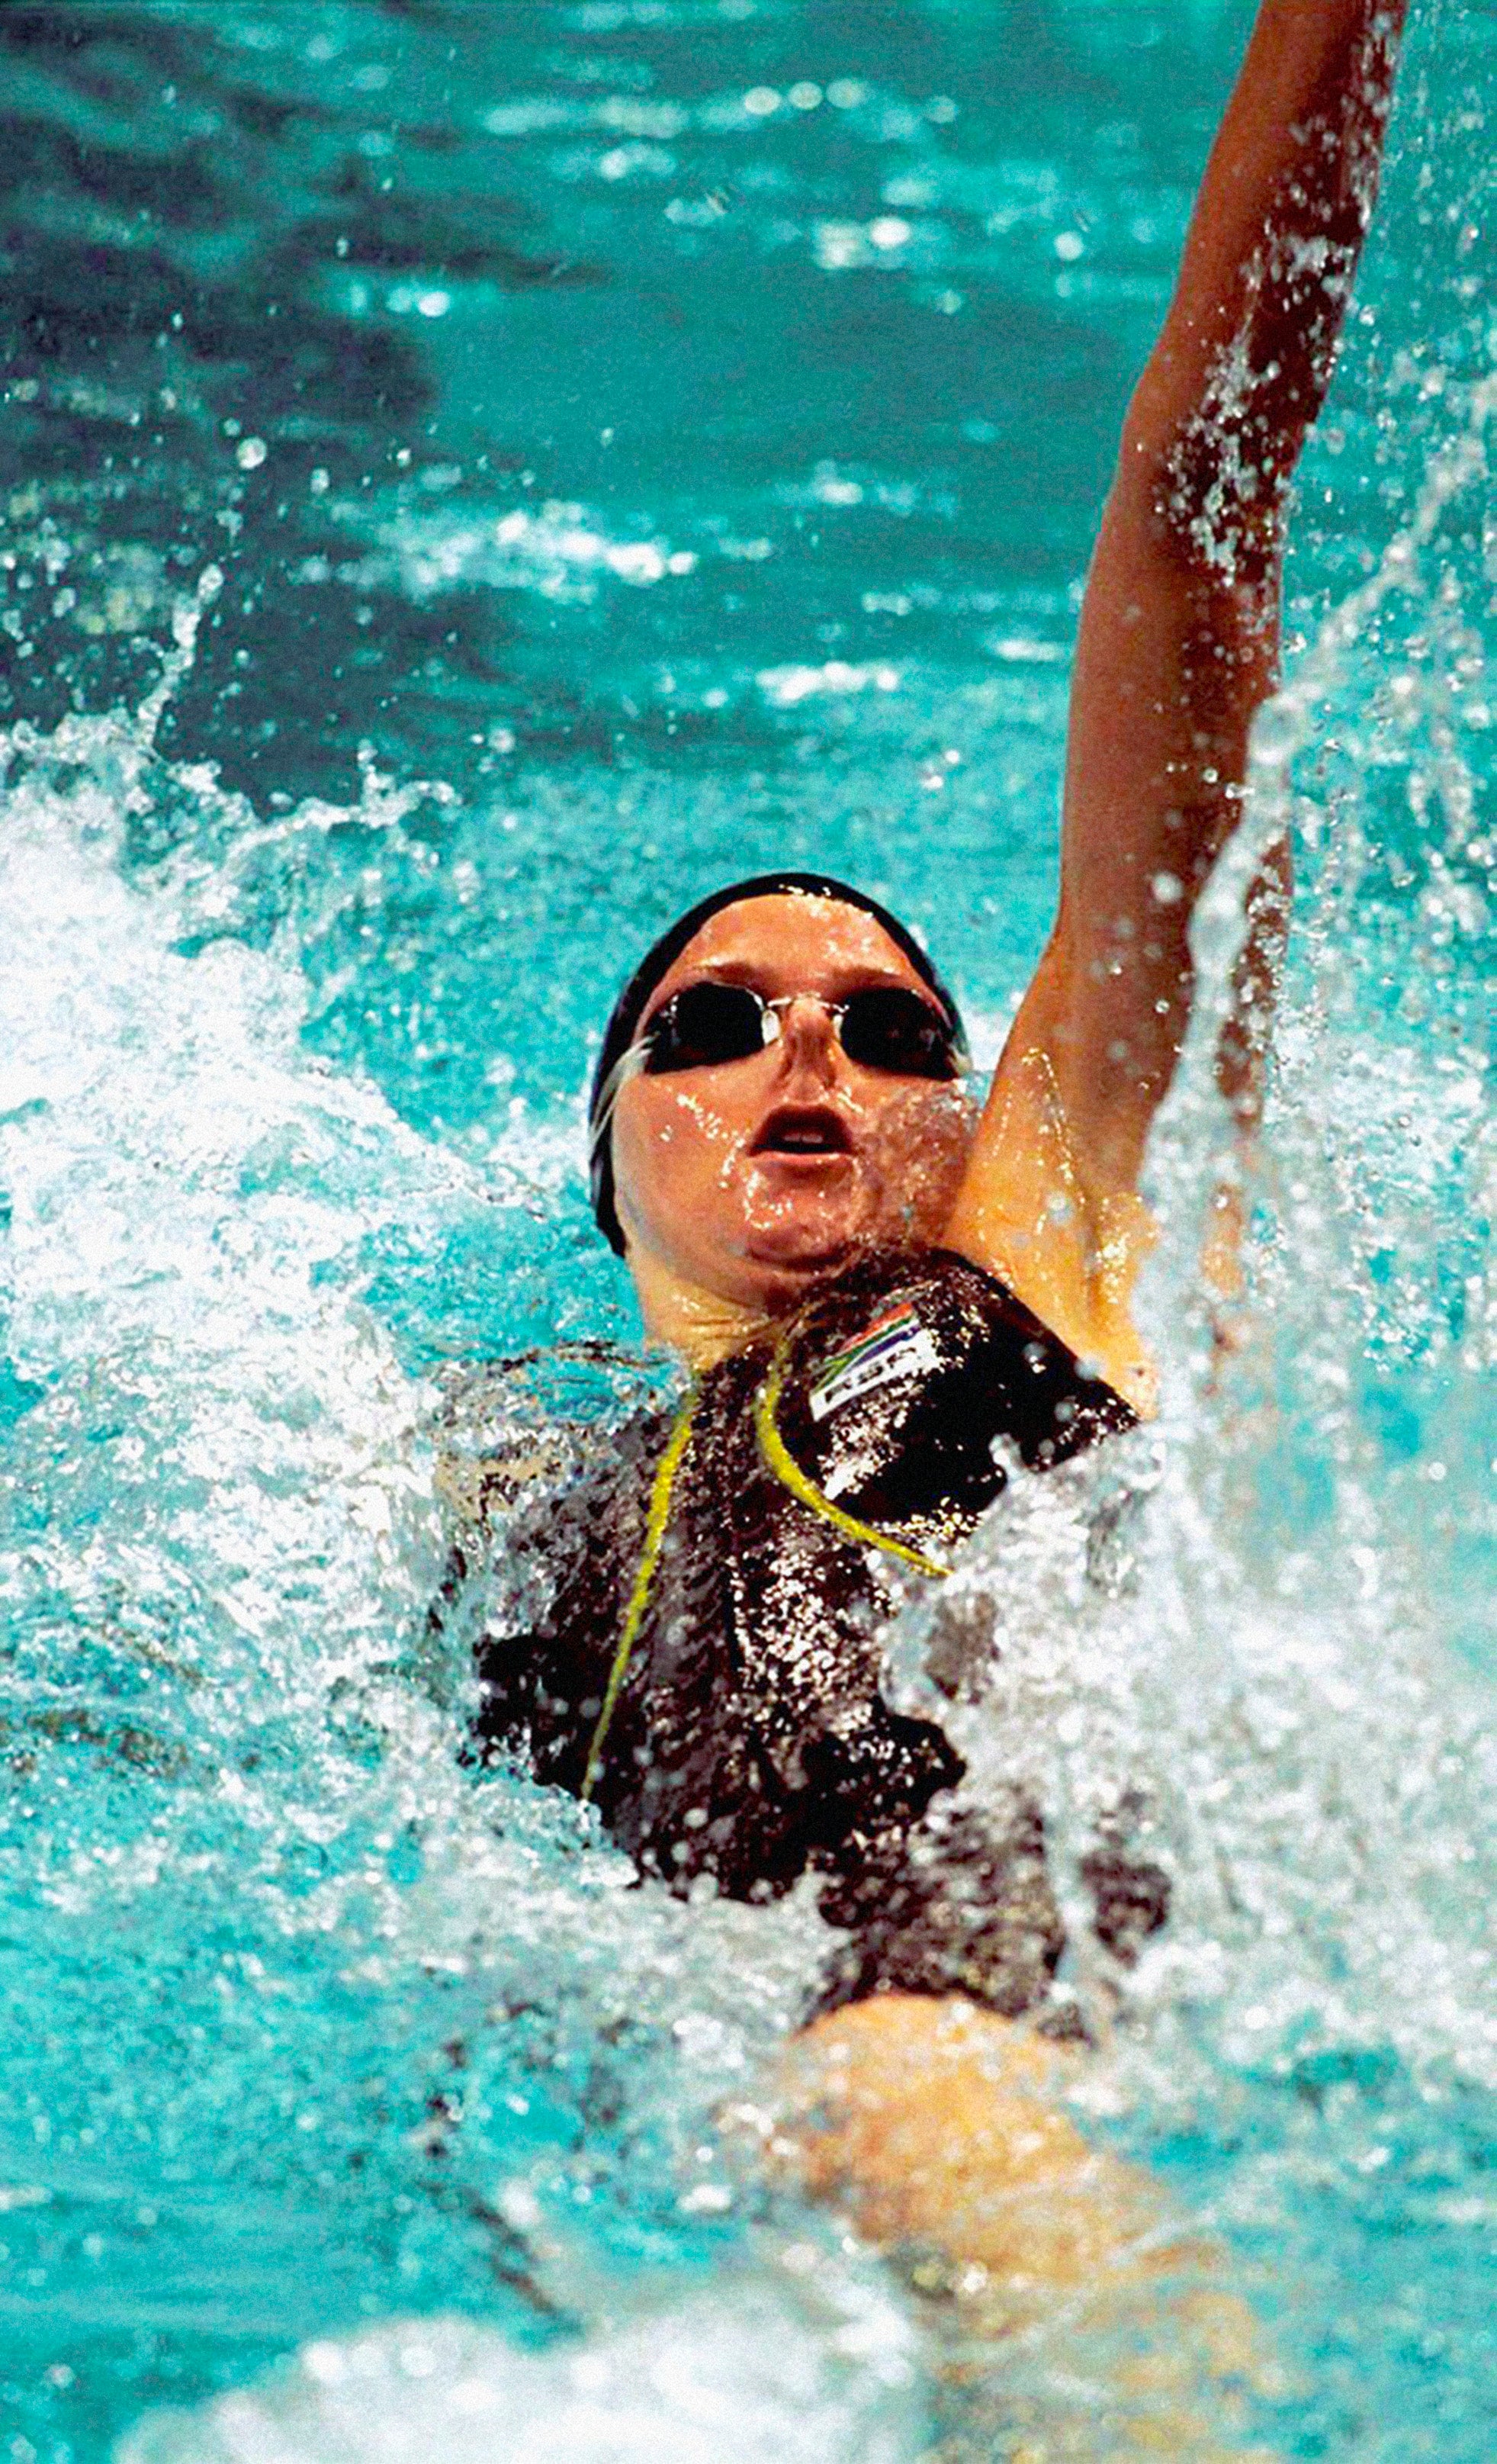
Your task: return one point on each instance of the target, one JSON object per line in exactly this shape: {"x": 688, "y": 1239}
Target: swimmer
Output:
{"x": 873, "y": 1282}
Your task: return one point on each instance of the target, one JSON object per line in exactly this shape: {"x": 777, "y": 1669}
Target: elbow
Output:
{"x": 1209, "y": 495}
{"x": 1215, "y": 431}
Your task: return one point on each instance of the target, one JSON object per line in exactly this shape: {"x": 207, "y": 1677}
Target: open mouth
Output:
{"x": 803, "y": 1130}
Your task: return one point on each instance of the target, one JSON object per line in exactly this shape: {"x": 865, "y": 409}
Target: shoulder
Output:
{"x": 494, "y": 1445}
{"x": 964, "y": 1307}
{"x": 954, "y": 1339}
{"x": 533, "y": 1426}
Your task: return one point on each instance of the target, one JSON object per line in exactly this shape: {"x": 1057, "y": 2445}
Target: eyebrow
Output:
{"x": 860, "y": 976}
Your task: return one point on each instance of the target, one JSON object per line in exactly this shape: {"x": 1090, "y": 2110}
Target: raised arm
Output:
{"x": 1178, "y": 648}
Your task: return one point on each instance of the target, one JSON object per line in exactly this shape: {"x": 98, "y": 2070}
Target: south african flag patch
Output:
{"x": 895, "y": 1346}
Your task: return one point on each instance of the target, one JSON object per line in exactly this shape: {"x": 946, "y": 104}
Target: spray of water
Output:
{"x": 248, "y": 1854}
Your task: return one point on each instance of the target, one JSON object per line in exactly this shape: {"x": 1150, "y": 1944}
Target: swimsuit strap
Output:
{"x": 661, "y": 1495}
{"x": 779, "y": 1460}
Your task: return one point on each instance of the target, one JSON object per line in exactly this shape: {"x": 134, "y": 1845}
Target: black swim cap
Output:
{"x": 661, "y": 957}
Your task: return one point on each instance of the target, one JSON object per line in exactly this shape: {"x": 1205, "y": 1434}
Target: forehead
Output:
{"x": 785, "y": 943}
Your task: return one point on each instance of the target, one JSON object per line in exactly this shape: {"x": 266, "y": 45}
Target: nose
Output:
{"x": 808, "y": 1040}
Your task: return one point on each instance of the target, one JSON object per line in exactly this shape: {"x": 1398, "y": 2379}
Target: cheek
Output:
{"x": 667, "y": 1138}
{"x": 919, "y": 1141}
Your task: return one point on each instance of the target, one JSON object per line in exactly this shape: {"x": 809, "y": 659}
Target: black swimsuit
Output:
{"x": 750, "y": 1740}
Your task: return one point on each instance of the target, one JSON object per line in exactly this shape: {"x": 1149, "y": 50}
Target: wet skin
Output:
{"x": 751, "y": 1181}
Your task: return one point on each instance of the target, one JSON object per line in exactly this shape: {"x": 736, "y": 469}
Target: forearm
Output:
{"x": 943, "y": 2128}
{"x": 1247, "y": 353}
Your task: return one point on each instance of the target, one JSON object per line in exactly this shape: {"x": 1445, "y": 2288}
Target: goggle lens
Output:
{"x": 703, "y": 1026}
{"x": 896, "y": 1031}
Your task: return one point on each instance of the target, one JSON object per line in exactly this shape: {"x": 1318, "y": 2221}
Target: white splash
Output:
{"x": 754, "y": 2372}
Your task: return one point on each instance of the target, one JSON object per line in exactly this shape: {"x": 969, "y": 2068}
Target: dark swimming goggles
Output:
{"x": 703, "y": 1026}
{"x": 883, "y": 1028}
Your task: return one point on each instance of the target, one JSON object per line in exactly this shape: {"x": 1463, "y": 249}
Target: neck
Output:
{"x": 700, "y": 1324}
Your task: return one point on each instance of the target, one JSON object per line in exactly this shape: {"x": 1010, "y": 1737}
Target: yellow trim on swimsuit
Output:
{"x": 660, "y": 1496}
{"x": 779, "y": 1460}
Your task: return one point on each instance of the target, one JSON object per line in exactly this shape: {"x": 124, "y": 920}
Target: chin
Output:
{"x": 779, "y": 1290}
{"x": 808, "y": 1236}
{"x": 785, "y": 1257}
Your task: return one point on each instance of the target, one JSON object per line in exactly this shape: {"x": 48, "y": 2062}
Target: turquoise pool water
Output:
{"x": 473, "y": 477}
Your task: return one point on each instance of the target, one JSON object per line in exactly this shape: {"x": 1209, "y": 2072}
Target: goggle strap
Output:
{"x": 628, "y": 1064}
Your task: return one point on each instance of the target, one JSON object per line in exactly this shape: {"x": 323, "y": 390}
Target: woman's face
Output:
{"x": 752, "y": 1179}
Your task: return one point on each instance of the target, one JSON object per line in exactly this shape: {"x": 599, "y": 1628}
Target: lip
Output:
{"x": 803, "y": 1134}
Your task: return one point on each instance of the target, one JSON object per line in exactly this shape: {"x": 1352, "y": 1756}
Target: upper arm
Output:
{"x": 1172, "y": 661}
{"x": 498, "y": 1439}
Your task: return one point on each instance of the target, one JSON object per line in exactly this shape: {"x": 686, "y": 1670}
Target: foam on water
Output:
{"x": 247, "y": 1845}
{"x": 179, "y": 1181}
{"x": 754, "y": 2373}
